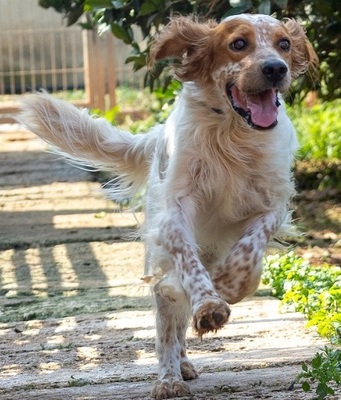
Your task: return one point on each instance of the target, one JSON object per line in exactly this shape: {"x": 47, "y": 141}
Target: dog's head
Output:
{"x": 250, "y": 58}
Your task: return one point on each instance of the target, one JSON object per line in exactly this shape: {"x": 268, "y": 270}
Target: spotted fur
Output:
{"x": 217, "y": 173}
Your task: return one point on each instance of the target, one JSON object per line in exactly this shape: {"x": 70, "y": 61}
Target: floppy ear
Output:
{"x": 304, "y": 57}
{"x": 187, "y": 41}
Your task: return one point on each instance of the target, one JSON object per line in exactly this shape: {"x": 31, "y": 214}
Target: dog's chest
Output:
{"x": 232, "y": 192}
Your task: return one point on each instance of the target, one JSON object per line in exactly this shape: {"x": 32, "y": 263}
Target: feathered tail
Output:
{"x": 89, "y": 140}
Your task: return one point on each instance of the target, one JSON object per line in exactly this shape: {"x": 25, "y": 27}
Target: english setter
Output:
{"x": 217, "y": 172}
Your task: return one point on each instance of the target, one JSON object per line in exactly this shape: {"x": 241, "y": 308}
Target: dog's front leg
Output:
{"x": 240, "y": 274}
{"x": 209, "y": 311}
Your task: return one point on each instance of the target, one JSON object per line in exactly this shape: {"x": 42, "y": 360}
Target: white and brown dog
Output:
{"x": 217, "y": 172}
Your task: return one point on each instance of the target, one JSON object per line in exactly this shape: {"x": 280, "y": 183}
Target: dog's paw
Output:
{"x": 188, "y": 371}
{"x": 211, "y": 316}
{"x": 168, "y": 388}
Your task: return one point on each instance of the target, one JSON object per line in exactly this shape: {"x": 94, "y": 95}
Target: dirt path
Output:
{"x": 76, "y": 322}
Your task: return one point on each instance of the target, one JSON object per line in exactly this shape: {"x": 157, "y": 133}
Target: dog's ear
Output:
{"x": 186, "y": 41}
{"x": 304, "y": 57}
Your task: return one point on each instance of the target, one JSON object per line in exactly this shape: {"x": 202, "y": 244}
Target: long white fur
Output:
{"x": 91, "y": 141}
{"x": 217, "y": 189}
{"x": 192, "y": 151}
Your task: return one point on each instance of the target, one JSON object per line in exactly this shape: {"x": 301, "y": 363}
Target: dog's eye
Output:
{"x": 284, "y": 44}
{"x": 238, "y": 45}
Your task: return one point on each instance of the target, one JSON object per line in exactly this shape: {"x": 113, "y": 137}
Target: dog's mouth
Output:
{"x": 260, "y": 110}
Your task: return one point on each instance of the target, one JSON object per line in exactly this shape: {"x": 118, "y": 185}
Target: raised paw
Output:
{"x": 211, "y": 316}
{"x": 188, "y": 371}
{"x": 168, "y": 388}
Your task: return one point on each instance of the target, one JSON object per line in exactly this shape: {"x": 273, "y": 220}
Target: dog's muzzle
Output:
{"x": 260, "y": 110}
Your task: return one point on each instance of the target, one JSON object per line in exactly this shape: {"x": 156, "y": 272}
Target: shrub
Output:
{"x": 315, "y": 291}
{"x": 318, "y": 129}
{"x": 325, "y": 368}
{"x": 312, "y": 290}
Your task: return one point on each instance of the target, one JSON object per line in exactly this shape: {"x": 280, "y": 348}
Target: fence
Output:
{"x": 47, "y": 58}
{"x": 50, "y": 56}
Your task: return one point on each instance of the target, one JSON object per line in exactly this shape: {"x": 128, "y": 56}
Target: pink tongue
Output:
{"x": 263, "y": 108}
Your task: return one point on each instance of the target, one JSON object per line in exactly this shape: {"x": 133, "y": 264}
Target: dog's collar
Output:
{"x": 217, "y": 110}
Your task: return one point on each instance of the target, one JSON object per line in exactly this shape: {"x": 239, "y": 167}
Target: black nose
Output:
{"x": 274, "y": 70}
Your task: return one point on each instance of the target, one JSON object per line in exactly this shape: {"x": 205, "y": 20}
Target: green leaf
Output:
{"x": 265, "y": 7}
{"x": 316, "y": 361}
{"x": 118, "y": 5}
{"x": 121, "y": 33}
{"x": 74, "y": 14}
{"x": 305, "y": 367}
{"x": 91, "y": 4}
{"x": 305, "y": 386}
{"x": 323, "y": 390}
{"x": 150, "y": 6}
{"x": 139, "y": 61}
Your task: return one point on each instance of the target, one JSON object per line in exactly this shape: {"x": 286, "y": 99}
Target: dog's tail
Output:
{"x": 90, "y": 141}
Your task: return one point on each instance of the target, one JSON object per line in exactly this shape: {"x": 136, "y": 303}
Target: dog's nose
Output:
{"x": 274, "y": 70}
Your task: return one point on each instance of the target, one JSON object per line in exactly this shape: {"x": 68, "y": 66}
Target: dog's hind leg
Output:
{"x": 172, "y": 316}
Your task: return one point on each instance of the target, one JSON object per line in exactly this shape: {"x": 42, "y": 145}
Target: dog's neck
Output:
{"x": 217, "y": 110}
{"x": 196, "y": 94}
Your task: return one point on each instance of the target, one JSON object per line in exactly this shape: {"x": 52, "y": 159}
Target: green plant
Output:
{"x": 325, "y": 368}
{"x": 312, "y": 290}
{"x": 135, "y": 98}
{"x": 156, "y": 106}
{"x": 315, "y": 291}
{"x": 110, "y": 115}
{"x": 276, "y": 269}
{"x": 318, "y": 129}
{"x": 160, "y": 107}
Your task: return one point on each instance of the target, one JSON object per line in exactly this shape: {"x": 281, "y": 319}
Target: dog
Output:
{"x": 218, "y": 172}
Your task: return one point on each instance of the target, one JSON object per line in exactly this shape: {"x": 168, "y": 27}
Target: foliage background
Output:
{"x": 321, "y": 18}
